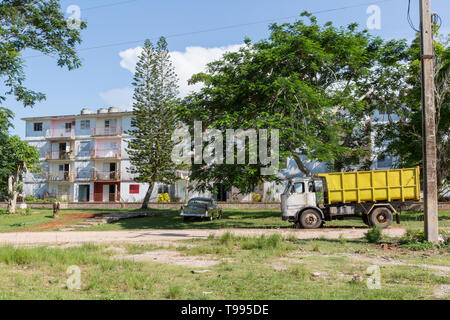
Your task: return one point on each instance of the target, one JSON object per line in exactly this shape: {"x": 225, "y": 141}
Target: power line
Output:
{"x": 219, "y": 28}
{"x": 108, "y": 5}
{"x": 408, "y": 17}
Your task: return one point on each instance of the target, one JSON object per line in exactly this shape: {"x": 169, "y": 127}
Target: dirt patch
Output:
{"x": 173, "y": 257}
{"x": 66, "y": 219}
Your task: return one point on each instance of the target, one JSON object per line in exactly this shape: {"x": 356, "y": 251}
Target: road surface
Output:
{"x": 159, "y": 236}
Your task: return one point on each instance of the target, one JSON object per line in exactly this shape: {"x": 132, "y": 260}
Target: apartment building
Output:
{"x": 84, "y": 158}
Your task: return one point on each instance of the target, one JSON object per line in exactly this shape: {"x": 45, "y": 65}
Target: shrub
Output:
{"x": 373, "y": 235}
{"x": 256, "y": 197}
{"x": 415, "y": 240}
{"x": 163, "y": 198}
{"x": 30, "y": 198}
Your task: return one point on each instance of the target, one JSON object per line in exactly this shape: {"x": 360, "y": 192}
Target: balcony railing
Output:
{"x": 105, "y": 154}
{"x": 110, "y": 131}
{"x": 59, "y": 155}
{"x": 61, "y": 176}
{"x": 105, "y": 175}
{"x": 60, "y": 134}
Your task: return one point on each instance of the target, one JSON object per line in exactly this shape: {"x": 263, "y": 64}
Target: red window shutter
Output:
{"x": 134, "y": 188}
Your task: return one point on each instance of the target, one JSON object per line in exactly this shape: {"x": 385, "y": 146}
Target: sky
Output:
{"x": 197, "y": 31}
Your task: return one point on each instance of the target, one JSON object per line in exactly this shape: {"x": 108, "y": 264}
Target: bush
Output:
{"x": 30, "y": 198}
{"x": 256, "y": 197}
{"x": 415, "y": 240}
{"x": 163, "y": 198}
{"x": 373, "y": 235}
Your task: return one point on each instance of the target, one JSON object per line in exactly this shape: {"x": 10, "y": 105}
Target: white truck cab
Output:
{"x": 300, "y": 202}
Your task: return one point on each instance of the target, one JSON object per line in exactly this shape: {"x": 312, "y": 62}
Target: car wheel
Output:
{"x": 310, "y": 219}
{"x": 381, "y": 217}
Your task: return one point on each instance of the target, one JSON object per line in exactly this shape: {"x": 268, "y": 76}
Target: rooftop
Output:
{"x": 85, "y": 113}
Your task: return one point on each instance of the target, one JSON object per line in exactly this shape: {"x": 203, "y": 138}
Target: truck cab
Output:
{"x": 300, "y": 202}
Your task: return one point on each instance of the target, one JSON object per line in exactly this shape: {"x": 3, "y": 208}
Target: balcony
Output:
{"x": 61, "y": 176}
{"x": 59, "y": 155}
{"x": 106, "y": 131}
{"x": 60, "y": 134}
{"x": 105, "y": 154}
{"x": 105, "y": 175}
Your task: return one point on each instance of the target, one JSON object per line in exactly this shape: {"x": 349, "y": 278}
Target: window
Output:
{"x": 38, "y": 126}
{"x": 134, "y": 188}
{"x": 85, "y": 124}
{"x": 299, "y": 187}
{"x": 68, "y": 126}
{"x": 163, "y": 188}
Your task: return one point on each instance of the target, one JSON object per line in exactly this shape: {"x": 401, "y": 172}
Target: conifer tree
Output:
{"x": 155, "y": 98}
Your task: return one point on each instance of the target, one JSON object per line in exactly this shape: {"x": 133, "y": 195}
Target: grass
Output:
{"x": 172, "y": 220}
{"x": 249, "y": 268}
{"x": 250, "y": 219}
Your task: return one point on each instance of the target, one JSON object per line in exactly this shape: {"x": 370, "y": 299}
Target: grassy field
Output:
{"x": 171, "y": 220}
{"x": 250, "y": 219}
{"x": 240, "y": 268}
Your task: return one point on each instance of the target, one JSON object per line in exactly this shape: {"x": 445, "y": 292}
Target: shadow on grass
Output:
{"x": 231, "y": 219}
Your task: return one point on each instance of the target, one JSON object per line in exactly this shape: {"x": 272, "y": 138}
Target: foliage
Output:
{"x": 17, "y": 158}
{"x": 404, "y": 136}
{"x": 256, "y": 197}
{"x": 373, "y": 235}
{"x": 310, "y": 81}
{"x": 163, "y": 198}
{"x": 415, "y": 240}
{"x": 38, "y": 25}
{"x": 30, "y": 198}
{"x": 155, "y": 99}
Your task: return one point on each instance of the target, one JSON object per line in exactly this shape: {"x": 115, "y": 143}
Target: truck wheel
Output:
{"x": 381, "y": 217}
{"x": 310, "y": 219}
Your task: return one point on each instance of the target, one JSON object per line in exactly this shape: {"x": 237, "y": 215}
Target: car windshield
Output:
{"x": 198, "y": 201}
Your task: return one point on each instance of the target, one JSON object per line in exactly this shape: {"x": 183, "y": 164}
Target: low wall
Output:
{"x": 153, "y": 205}
{"x": 418, "y": 206}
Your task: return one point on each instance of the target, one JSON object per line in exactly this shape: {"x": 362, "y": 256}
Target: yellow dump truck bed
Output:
{"x": 373, "y": 186}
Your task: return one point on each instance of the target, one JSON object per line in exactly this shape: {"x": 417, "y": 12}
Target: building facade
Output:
{"x": 84, "y": 158}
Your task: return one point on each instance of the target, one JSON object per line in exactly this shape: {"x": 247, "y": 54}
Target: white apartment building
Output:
{"x": 84, "y": 158}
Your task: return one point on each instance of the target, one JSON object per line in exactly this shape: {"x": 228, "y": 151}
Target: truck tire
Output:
{"x": 381, "y": 217}
{"x": 310, "y": 219}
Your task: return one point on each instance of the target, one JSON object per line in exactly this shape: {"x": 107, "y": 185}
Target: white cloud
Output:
{"x": 121, "y": 97}
{"x": 187, "y": 63}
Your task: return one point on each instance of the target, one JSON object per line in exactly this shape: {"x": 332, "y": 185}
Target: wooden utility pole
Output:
{"x": 428, "y": 124}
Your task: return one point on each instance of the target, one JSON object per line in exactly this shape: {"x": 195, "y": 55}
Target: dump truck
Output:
{"x": 376, "y": 196}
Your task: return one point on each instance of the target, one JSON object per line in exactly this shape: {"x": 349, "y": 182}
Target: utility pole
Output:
{"x": 428, "y": 124}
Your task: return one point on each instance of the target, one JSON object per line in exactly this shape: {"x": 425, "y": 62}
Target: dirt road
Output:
{"x": 169, "y": 236}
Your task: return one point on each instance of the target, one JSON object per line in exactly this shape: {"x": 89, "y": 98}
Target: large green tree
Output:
{"x": 310, "y": 81}
{"x": 38, "y": 25}
{"x": 155, "y": 100}
{"x": 402, "y": 136}
{"x": 17, "y": 158}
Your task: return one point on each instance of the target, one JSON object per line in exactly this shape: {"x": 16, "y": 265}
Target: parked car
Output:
{"x": 205, "y": 208}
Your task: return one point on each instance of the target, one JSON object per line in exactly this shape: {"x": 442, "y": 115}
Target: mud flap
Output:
{"x": 397, "y": 218}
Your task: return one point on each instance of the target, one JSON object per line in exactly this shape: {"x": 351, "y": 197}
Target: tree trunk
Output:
{"x": 12, "y": 195}
{"x": 147, "y": 196}
{"x": 300, "y": 164}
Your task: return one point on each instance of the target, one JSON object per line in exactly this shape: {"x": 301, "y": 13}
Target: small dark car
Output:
{"x": 205, "y": 208}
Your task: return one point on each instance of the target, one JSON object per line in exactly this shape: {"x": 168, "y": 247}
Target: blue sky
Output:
{"x": 117, "y": 27}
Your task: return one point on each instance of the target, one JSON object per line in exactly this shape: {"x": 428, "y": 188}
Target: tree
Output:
{"x": 37, "y": 25}
{"x": 309, "y": 81}
{"x": 402, "y": 138}
{"x": 155, "y": 99}
{"x": 16, "y": 158}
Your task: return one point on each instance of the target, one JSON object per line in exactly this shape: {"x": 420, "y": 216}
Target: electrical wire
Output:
{"x": 408, "y": 17}
{"x": 218, "y": 28}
